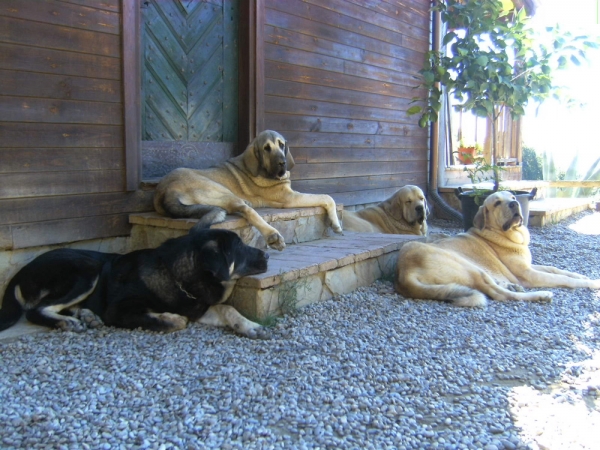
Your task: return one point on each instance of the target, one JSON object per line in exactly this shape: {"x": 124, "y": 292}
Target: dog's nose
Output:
{"x": 514, "y": 204}
{"x": 419, "y": 209}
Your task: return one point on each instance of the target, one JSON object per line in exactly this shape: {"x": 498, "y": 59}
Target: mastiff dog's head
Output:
{"x": 408, "y": 205}
{"x": 500, "y": 211}
{"x": 268, "y": 156}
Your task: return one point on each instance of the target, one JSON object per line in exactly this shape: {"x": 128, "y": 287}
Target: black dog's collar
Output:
{"x": 178, "y": 284}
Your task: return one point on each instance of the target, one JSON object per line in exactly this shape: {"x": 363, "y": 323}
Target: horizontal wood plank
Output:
{"x": 416, "y": 13}
{"x": 281, "y": 18}
{"x": 14, "y": 185}
{"x": 344, "y": 170}
{"x": 330, "y": 64}
{"x": 43, "y": 85}
{"x": 351, "y": 184}
{"x": 42, "y": 209}
{"x": 70, "y": 230}
{"x": 37, "y": 34}
{"x": 60, "y": 159}
{"x": 297, "y": 40}
{"x": 33, "y": 59}
{"x": 288, "y": 72}
{"x": 106, "y": 5}
{"x": 286, "y": 105}
{"x": 353, "y": 141}
{"x": 29, "y": 109}
{"x": 408, "y": 22}
{"x": 364, "y": 29}
{"x": 297, "y": 90}
{"x": 46, "y": 135}
{"x": 337, "y": 155}
{"x": 336, "y": 125}
{"x": 60, "y": 13}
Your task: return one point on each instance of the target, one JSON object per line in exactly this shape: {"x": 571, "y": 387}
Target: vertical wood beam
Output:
{"x": 132, "y": 93}
{"x": 252, "y": 71}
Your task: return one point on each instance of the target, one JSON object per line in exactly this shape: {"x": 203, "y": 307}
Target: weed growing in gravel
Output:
{"x": 287, "y": 299}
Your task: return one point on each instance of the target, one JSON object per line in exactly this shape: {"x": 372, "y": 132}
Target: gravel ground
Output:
{"x": 368, "y": 370}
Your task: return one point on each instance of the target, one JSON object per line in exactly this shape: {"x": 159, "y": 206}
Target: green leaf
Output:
{"x": 429, "y": 77}
{"x": 414, "y": 110}
{"x": 482, "y": 60}
{"x": 562, "y": 62}
{"x": 480, "y": 111}
{"x": 448, "y": 38}
{"x": 575, "y": 60}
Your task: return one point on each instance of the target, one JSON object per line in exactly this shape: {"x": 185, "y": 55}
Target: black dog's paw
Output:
{"x": 71, "y": 324}
{"x": 90, "y": 319}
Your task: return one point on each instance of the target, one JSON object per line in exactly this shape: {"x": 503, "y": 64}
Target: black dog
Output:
{"x": 185, "y": 279}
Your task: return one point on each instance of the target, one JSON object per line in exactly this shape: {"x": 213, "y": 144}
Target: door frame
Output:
{"x": 251, "y": 81}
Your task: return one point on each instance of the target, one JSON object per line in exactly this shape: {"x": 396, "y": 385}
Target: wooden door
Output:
{"x": 189, "y": 101}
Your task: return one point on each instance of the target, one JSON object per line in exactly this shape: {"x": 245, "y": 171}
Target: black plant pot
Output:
{"x": 470, "y": 204}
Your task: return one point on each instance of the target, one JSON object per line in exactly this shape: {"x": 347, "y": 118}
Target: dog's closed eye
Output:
{"x": 268, "y": 147}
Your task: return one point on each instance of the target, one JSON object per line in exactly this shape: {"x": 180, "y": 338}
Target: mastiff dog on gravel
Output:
{"x": 405, "y": 212}
{"x": 258, "y": 178}
{"x": 492, "y": 259}
{"x": 184, "y": 279}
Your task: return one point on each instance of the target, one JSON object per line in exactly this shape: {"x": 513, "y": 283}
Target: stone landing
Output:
{"x": 295, "y": 225}
{"x": 548, "y": 211}
{"x": 318, "y": 270}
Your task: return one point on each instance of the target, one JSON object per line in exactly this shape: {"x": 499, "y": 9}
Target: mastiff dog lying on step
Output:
{"x": 258, "y": 178}
{"x": 405, "y": 212}
{"x": 492, "y": 260}
{"x": 184, "y": 279}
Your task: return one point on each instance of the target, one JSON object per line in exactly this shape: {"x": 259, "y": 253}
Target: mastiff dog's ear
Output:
{"x": 479, "y": 219}
{"x": 289, "y": 159}
{"x": 251, "y": 158}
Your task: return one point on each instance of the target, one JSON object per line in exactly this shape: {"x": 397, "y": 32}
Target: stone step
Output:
{"x": 296, "y": 225}
{"x": 547, "y": 211}
{"x": 318, "y": 270}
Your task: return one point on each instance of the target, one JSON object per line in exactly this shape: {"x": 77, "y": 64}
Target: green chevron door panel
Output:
{"x": 189, "y": 82}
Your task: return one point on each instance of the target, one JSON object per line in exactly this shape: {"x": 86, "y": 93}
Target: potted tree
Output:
{"x": 467, "y": 152}
{"x": 494, "y": 62}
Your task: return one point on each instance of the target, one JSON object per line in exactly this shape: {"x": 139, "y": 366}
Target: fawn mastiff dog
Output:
{"x": 162, "y": 289}
{"x": 405, "y": 212}
{"x": 492, "y": 259}
{"x": 257, "y": 178}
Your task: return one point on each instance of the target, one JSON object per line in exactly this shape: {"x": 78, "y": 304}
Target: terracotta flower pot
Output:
{"x": 466, "y": 155}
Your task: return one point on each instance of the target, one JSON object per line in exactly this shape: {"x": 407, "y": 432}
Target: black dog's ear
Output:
{"x": 251, "y": 158}
{"x": 479, "y": 219}
{"x": 289, "y": 159}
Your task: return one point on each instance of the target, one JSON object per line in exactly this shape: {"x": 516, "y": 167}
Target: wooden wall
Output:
{"x": 338, "y": 80}
{"x": 334, "y": 76}
{"x": 62, "y": 162}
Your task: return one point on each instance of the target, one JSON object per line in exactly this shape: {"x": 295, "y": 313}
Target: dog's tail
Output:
{"x": 207, "y": 214}
{"x": 457, "y": 294}
{"x": 11, "y": 310}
